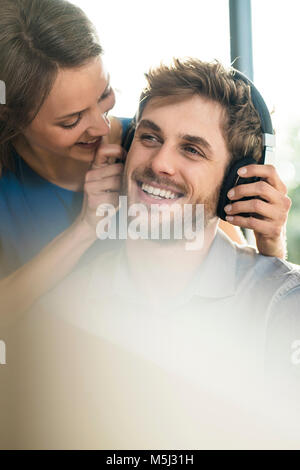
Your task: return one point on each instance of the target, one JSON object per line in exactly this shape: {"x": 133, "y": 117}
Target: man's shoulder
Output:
{"x": 267, "y": 267}
{"x": 272, "y": 278}
{"x": 263, "y": 280}
{"x": 251, "y": 265}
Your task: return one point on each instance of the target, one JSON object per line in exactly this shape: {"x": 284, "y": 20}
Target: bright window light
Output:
{"x": 138, "y": 34}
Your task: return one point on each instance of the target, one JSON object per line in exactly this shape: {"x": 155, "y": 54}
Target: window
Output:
{"x": 138, "y": 34}
{"x": 276, "y": 40}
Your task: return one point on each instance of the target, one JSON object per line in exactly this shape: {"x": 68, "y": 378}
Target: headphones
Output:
{"x": 232, "y": 178}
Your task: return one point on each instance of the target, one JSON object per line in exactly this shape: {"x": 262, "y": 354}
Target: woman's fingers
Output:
{"x": 258, "y": 207}
{"x": 102, "y": 182}
{"x": 267, "y": 172}
{"x": 112, "y": 183}
{"x": 268, "y": 207}
{"x": 106, "y": 171}
{"x": 268, "y": 197}
{"x": 261, "y": 226}
{"x": 260, "y": 189}
{"x": 265, "y": 201}
{"x": 107, "y": 154}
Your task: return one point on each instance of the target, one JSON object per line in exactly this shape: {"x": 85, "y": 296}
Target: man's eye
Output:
{"x": 193, "y": 151}
{"x": 74, "y": 124}
{"x": 148, "y": 138}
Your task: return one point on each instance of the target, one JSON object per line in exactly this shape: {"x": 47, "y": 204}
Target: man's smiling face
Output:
{"x": 178, "y": 154}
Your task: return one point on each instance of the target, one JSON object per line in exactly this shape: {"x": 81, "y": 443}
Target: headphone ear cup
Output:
{"x": 129, "y": 135}
{"x": 233, "y": 179}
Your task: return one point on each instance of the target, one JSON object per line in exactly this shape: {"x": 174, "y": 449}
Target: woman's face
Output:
{"x": 73, "y": 118}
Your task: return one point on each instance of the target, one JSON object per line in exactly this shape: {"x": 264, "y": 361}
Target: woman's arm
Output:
{"x": 23, "y": 287}
{"x": 102, "y": 185}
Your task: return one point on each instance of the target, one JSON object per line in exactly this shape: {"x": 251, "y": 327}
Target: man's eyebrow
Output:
{"x": 102, "y": 97}
{"x": 195, "y": 139}
{"x": 149, "y": 125}
{"x": 192, "y": 139}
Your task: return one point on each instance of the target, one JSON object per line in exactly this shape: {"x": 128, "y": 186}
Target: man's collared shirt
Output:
{"x": 118, "y": 371}
{"x": 239, "y": 312}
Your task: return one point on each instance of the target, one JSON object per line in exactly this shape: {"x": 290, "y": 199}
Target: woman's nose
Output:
{"x": 100, "y": 124}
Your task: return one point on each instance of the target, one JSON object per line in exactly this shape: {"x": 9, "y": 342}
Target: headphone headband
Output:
{"x": 264, "y": 115}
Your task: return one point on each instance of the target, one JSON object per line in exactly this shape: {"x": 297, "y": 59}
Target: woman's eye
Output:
{"x": 106, "y": 95}
{"x": 74, "y": 124}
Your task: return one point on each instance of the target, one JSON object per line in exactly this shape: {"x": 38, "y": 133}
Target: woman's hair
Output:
{"x": 241, "y": 124}
{"x": 37, "y": 37}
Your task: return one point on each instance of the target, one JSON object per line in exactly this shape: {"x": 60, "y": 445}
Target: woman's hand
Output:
{"x": 102, "y": 184}
{"x": 271, "y": 209}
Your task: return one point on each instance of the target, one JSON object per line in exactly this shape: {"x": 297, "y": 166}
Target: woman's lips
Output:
{"x": 90, "y": 146}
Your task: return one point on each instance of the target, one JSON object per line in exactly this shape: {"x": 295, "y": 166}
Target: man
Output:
{"x": 194, "y": 120}
{"x": 167, "y": 345}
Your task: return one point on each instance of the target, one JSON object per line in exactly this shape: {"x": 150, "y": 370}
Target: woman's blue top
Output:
{"x": 33, "y": 212}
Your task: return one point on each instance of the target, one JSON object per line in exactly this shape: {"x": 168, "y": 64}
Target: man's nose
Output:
{"x": 99, "y": 124}
{"x": 164, "y": 160}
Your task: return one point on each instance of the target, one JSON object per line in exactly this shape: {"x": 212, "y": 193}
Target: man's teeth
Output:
{"x": 163, "y": 193}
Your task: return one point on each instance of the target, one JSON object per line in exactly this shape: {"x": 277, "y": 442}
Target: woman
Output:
{"x": 58, "y": 150}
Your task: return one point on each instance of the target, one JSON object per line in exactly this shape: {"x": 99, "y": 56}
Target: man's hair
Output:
{"x": 241, "y": 124}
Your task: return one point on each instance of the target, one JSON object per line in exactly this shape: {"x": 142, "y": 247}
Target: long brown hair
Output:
{"x": 37, "y": 37}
